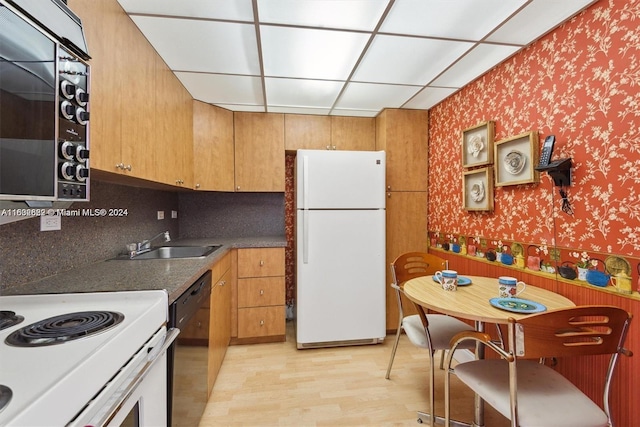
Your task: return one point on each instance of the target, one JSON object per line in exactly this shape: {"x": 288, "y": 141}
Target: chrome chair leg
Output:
{"x": 393, "y": 351}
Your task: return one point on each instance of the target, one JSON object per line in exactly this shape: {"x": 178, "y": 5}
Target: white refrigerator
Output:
{"x": 340, "y": 248}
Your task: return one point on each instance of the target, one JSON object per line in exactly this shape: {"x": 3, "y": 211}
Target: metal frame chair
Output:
{"x": 530, "y": 393}
{"x": 429, "y": 331}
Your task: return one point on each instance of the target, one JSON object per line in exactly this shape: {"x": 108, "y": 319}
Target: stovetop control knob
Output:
{"x": 67, "y": 170}
{"x": 82, "y": 154}
{"x": 82, "y": 97}
{"x": 82, "y": 173}
{"x": 82, "y": 116}
{"x": 68, "y": 89}
{"x": 67, "y": 110}
{"x": 67, "y": 150}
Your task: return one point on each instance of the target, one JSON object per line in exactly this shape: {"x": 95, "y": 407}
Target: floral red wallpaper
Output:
{"x": 580, "y": 83}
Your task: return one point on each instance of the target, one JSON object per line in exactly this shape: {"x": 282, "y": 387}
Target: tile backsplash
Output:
{"x": 28, "y": 254}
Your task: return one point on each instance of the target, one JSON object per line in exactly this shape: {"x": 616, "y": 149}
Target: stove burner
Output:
{"x": 8, "y": 319}
{"x": 63, "y": 328}
{"x": 5, "y": 396}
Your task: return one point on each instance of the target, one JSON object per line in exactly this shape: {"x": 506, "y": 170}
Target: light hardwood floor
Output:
{"x": 278, "y": 385}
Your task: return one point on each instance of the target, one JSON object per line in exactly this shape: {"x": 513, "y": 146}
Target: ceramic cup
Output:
{"x": 448, "y": 279}
{"x": 508, "y": 287}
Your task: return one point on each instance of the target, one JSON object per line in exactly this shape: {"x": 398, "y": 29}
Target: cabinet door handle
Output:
{"x": 261, "y": 291}
{"x": 224, "y": 282}
{"x": 261, "y": 263}
{"x": 120, "y": 166}
{"x": 388, "y": 195}
{"x": 197, "y": 186}
{"x": 262, "y": 323}
{"x": 128, "y": 167}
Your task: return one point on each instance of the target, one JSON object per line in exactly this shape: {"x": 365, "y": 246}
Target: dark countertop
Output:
{"x": 174, "y": 276}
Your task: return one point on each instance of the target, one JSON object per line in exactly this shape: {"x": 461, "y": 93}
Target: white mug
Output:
{"x": 508, "y": 287}
{"x": 448, "y": 279}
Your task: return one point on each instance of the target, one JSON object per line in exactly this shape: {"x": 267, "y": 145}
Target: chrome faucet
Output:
{"x": 145, "y": 245}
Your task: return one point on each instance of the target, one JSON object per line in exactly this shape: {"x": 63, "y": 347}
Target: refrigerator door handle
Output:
{"x": 305, "y": 236}
{"x": 305, "y": 182}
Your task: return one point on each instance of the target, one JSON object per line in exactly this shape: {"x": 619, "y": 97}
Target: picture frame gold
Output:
{"x": 477, "y": 144}
{"x": 477, "y": 189}
{"x": 515, "y": 160}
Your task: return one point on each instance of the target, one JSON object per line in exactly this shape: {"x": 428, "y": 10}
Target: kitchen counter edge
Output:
{"x": 172, "y": 275}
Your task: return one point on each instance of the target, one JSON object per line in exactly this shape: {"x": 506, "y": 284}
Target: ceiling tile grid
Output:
{"x": 339, "y": 57}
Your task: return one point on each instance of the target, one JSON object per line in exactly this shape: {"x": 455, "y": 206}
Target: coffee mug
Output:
{"x": 448, "y": 279}
{"x": 508, "y": 287}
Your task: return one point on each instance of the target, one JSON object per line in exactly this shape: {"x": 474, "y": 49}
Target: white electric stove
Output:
{"x": 84, "y": 358}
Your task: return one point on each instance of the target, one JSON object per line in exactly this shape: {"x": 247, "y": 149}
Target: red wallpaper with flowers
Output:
{"x": 581, "y": 83}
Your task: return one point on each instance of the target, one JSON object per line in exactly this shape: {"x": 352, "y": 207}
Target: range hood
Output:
{"x": 56, "y": 18}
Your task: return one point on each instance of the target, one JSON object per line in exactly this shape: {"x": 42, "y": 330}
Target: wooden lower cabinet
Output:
{"x": 220, "y": 325}
{"x": 260, "y": 295}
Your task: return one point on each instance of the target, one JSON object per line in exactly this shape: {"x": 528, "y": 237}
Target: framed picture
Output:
{"x": 477, "y": 189}
{"x": 516, "y": 159}
{"x": 477, "y": 145}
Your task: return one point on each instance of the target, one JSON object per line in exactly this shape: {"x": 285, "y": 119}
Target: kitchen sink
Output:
{"x": 175, "y": 252}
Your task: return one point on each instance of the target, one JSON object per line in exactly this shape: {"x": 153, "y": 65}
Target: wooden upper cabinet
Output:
{"x": 307, "y": 132}
{"x": 353, "y": 133}
{"x": 213, "y": 167}
{"x": 141, "y": 115}
{"x": 173, "y": 148}
{"x": 403, "y": 134}
{"x": 259, "y": 152}
{"x": 329, "y": 132}
{"x": 100, "y": 18}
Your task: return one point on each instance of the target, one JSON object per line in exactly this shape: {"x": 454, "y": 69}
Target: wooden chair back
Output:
{"x": 415, "y": 264}
{"x": 582, "y": 330}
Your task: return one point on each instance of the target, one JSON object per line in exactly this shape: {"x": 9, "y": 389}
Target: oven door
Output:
{"x": 137, "y": 393}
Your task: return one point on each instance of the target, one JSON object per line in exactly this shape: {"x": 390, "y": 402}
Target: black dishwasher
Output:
{"x": 187, "y": 358}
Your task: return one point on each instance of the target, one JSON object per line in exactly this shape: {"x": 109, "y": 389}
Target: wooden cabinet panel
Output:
{"x": 307, "y": 132}
{"x": 353, "y": 133}
{"x": 259, "y": 152}
{"x": 213, "y": 158}
{"x": 100, "y": 18}
{"x": 403, "y": 134}
{"x": 261, "y": 291}
{"x": 260, "y": 262}
{"x": 406, "y": 231}
{"x": 220, "y": 328}
{"x": 261, "y": 321}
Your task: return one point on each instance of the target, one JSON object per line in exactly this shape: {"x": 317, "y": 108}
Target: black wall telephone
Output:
{"x": 547, "y": 150}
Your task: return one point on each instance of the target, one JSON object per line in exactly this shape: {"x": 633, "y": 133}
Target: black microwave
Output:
{"x": 44, "y": 107}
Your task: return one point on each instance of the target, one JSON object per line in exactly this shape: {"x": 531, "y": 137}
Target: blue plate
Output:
{"x": 462, "y": 281}
{"x": 517, "y": 305}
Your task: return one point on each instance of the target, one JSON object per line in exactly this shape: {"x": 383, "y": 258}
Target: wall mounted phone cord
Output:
{"x": 566, "y": 204}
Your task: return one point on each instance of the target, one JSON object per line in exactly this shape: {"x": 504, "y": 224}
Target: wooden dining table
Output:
{"x": 471, "y": 302}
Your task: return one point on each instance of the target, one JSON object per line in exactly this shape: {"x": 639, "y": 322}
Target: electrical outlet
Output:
{"x": 50, "y": 222}
{"x": 174, "y": 214}
{"x": 160, "y": 214}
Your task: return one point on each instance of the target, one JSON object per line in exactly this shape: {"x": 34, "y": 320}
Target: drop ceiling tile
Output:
{"x": 210, "y": 46}
{"x": 310, "y": 53}
{"x": 237, "y": 10}
{"x": 371, "y": 96}
{"x": 302, "y": 93}
{"x": 428, "y": 97}
{"x": 342, "y": 14}
{"x": 478, "y": 61}
{"x": 222, "y": 88}
{"x": 460, "y": 19}
{"x": 536, "y": 20}
{"x": 407, "y": 60}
